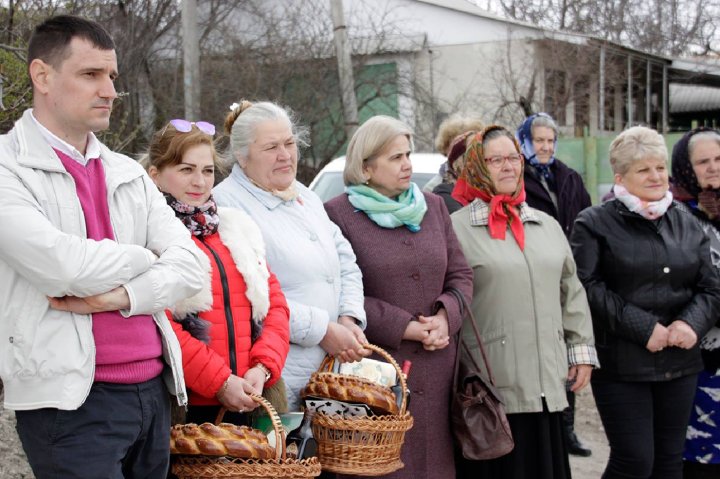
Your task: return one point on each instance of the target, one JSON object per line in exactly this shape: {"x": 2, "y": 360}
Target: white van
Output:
{"x": 329, "y": 183}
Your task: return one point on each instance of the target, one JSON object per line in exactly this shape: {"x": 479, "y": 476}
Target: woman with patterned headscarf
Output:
{"x": 696, "y": 183}
{"x": 530, "y": 306}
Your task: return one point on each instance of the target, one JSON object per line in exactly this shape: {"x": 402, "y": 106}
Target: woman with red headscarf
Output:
{"x": 529, "y": 305}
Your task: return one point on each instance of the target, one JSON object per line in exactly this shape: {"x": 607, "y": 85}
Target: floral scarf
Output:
{"x": 475, "y": 182}
{"x": 200, "y": 220}
{"x": 408, "y": 209}
{"x": 650, "y": 210}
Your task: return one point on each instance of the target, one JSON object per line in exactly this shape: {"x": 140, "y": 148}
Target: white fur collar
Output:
{"x": 244, "y": 240}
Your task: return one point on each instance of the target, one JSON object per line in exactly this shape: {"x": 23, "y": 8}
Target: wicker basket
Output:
{"x": 368, "y": 446}
{"x": 207, "y": 467}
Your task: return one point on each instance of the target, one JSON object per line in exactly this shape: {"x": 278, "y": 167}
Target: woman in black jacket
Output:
{"x": 645, "y": 263}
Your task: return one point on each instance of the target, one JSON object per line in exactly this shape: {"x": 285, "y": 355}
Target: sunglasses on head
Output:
{"x": 184, "y": 126}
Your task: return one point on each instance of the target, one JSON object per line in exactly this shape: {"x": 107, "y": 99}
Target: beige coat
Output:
{"x": 530, "y": 307}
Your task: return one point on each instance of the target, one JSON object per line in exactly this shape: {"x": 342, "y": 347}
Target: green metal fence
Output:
{"x": 589, "y": 157}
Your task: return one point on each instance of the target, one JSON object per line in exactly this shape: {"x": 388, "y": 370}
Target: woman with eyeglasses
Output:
{"x": 412, "y": 270}
{"x": 314, "y": 263}
{"x": 529, "y": 305}
{"x": 234, "y": 333}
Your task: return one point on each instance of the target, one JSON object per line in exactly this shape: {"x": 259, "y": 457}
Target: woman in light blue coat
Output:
{"x": 307, "y": 252}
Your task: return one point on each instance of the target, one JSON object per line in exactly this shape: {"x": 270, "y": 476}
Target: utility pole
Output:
{"x": 345, "y": 71}
{"x": 191, "y": 60}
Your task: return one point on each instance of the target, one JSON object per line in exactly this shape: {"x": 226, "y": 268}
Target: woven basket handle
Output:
{"x": 278, "y": 428}
{"x": 329, "y": 361}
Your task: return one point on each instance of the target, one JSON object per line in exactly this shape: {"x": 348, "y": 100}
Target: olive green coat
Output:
{"x": 529, "y": 305}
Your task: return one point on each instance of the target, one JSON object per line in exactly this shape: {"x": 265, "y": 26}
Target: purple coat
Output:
{"x": 405, "y": 274}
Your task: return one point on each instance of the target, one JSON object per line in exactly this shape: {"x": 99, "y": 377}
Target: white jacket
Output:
{"x": 314, "y": 263}
{"x": 47, "y": 357}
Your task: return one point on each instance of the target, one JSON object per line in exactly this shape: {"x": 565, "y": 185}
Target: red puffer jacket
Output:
{"x": 207, "y": 366}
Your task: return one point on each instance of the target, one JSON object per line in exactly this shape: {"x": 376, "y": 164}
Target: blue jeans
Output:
{"x": 645, "y": 423}
{"x": 120, "y": 431}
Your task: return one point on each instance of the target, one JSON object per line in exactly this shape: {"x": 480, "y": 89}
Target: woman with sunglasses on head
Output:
{"x": 529, "y": 305}
{"x": 234, "y": 333}
{"x": 314, "y": 263}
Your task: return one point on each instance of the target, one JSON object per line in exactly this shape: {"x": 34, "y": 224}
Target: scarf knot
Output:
{"x": 504, "y": 213}
{"x": 200, "y": 220}
{"x": 408, "y": 209}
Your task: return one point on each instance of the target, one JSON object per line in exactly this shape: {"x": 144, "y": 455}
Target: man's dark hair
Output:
{"x": 50, "y": 40}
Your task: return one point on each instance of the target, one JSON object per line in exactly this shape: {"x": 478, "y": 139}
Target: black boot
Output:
{"x": 575, "y": 447}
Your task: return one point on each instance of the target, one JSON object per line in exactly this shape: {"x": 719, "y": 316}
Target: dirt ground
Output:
{"x": 590, "y": 431}
{"x": 13, "y": 464}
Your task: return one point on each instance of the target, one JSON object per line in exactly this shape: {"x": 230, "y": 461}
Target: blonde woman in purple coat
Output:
{"x": 410, "y": 259}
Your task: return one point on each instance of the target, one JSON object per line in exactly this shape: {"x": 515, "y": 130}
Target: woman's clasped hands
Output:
{"x": 431, "y": 331}
{"x": 344, "y": 340}
{"x": 678, "y": 334}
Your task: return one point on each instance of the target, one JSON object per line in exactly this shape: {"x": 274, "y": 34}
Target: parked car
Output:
{"x": 328, "y": 183}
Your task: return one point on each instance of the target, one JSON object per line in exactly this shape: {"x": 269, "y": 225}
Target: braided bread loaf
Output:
{"x": 221, "y": 440}
{"x": 351, "y": 389}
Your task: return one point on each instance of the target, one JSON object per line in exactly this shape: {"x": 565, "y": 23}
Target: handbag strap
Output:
{"x": 467, "y": 311}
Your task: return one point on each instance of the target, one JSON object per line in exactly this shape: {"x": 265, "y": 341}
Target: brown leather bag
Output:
{"x": 477, "y": 414}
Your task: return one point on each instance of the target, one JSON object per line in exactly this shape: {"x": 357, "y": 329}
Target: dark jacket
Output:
{"x": 638, "y": 273}
{"x": 444, "y": 191}
{"x": 572, "y": 197}
{"x": 406, "y": 274}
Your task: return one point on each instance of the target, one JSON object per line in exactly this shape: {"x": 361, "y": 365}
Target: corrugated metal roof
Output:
{"x": 690, "y": 98}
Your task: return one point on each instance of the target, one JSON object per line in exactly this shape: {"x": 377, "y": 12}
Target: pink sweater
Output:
{"x": 127, "y": 350}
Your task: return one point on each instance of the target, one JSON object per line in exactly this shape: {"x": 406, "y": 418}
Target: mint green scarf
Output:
{"x": 408, "y": 209}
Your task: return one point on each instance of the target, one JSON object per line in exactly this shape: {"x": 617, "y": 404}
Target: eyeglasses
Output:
{"x": 497, "y": 161}
{"x": 184, "y": 126}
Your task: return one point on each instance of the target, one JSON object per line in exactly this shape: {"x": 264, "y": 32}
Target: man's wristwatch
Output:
{"x": 264, "y": 369}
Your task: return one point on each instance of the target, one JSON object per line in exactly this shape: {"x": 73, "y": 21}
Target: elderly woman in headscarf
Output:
{"x": 645, "y": 264}
{"x": 529, "y": 305}
{"x": 696, "y": 183}
{"x": 550, "y": 185}
{"x": 555, "y": 188}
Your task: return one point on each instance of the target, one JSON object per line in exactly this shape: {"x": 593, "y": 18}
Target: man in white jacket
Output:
{"x": 90, "y": 256}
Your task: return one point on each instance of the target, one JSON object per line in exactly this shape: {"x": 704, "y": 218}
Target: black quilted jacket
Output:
{"x": 637, "y": 273}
